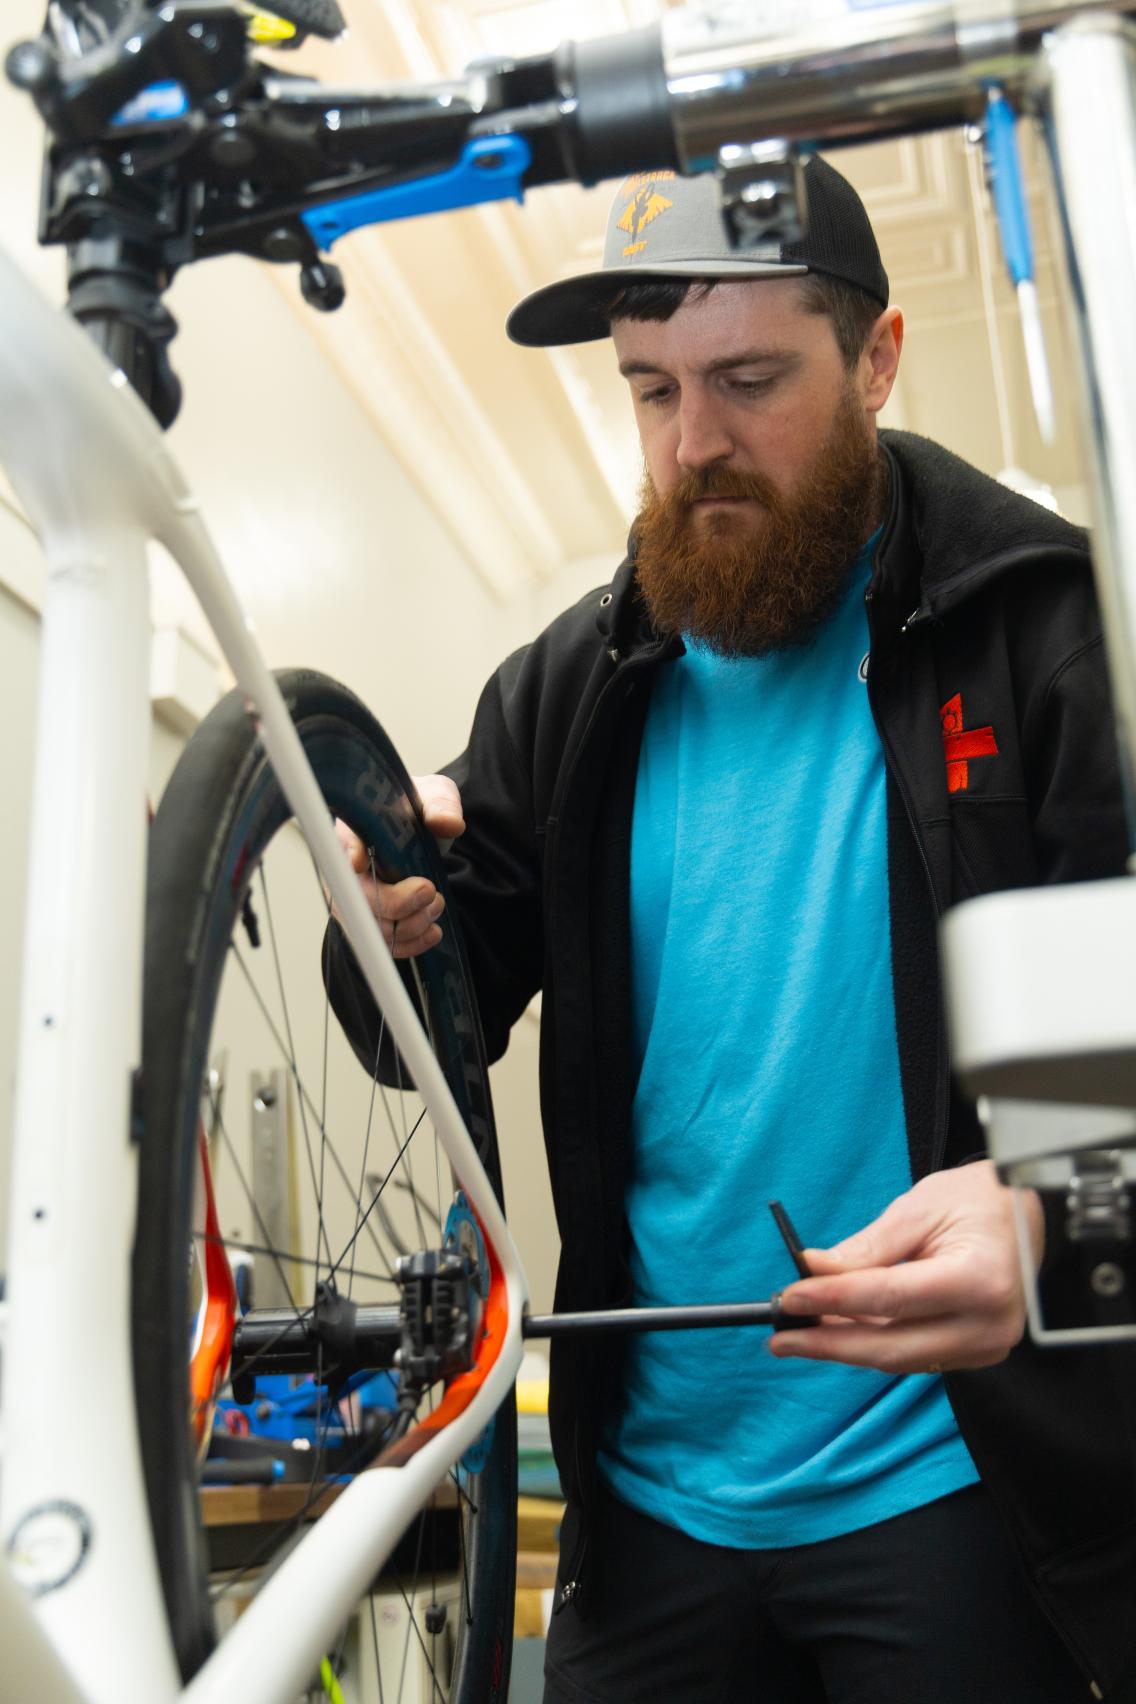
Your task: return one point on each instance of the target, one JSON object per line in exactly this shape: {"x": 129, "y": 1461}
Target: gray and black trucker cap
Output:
{"x": 665, "y": 226}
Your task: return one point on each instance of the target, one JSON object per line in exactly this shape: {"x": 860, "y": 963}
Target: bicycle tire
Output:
{"x": 220, "y": 812}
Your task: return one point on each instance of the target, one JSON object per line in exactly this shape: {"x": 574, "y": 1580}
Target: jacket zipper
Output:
{"x": 894, "y": 770}
{"x": 570, "y": 1590}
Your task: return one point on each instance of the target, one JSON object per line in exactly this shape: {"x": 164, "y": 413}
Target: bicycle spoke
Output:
{"x": 370, "y": 1111}
{"x": 370, "y": 1118}
{"x": 375, "y": 1644}
{"x": 322, "y": 1230}
{"x": 363, "y": 1161}
{"x": 331, "y": 1147}
{"x": 326, "y": 896}
{"x": 402, "y": 1108}
{"x": 289, "y": 1528}
{"x": 300, "y": 1315}
{"x": 245, "y": 1247}
{"x": 371, "y": 1614}
{"x": 448, "y": 1062}
{"x": 468, "y": 1606}
{"x": 249, "y": 1197}
{"x": 411, "y": 1624}
{"x": 387, "y": 1224}
{"x": 355, "y": 1235}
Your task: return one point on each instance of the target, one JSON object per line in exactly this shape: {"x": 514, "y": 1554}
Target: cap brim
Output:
{"x": 574, "y": 310}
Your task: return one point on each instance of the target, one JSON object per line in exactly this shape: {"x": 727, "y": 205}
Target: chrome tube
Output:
{"x": 824, "y": 72}
{"x": 1087, "y": 100}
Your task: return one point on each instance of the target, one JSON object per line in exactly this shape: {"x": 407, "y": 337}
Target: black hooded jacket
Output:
{"x": 980, "y": 605}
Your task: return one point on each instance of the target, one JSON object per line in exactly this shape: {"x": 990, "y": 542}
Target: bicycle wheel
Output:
{"x": 233, "y": 993}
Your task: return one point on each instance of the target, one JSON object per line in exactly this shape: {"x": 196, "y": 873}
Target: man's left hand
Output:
{"x": 932, "y": 1285}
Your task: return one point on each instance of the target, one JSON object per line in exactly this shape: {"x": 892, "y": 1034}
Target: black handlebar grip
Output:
{"x": 256, "y": 1470}
{"x": 316, "y": 17}
{"x": 116, "y": 296}
{"x": 623, "y": 114}
{"x": 143, "y": 358}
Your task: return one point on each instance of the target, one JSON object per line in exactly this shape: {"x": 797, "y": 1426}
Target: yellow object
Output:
{"x": 329, "y": 1683}
{"x": 528, "y": 1615}
{"x": 532, "y": 1396}
{"x": 538, "y": 1525}
{"x": 265, "y": 28}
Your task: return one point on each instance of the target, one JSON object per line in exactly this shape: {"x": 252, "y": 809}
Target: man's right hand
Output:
{"x": 408, "y": 911}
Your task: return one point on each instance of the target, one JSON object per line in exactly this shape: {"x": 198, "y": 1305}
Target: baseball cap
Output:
{"x": 662, "y": 226}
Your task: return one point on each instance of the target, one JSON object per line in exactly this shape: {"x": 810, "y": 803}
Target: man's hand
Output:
{"x": 408, "y": 911}
{"x": 933, "y": 1284}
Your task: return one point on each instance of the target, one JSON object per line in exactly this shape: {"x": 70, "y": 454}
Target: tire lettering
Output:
{"x": 379, "y": 793}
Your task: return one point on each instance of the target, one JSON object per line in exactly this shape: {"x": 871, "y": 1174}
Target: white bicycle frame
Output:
{"x": 95, "y": 476}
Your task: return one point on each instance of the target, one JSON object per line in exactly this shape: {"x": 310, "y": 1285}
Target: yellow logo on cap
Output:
{"x": 644, "y": 207}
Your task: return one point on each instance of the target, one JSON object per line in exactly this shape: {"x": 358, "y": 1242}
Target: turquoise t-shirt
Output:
{"x": 765, "y": 1022}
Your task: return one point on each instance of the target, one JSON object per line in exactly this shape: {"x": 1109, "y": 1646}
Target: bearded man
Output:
{"x": 714, "y": 812}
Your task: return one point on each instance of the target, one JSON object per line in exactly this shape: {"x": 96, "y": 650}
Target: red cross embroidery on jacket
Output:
{"x": 961, "y": 744}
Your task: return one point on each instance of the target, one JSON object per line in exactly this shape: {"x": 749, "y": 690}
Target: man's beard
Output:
{"x": 744, "y": 585}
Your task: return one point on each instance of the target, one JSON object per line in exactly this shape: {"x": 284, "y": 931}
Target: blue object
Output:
{"x": 491, "y": 168}
{"x": 158, "y": 103}
{"x": 284, "y": 1411}
{"x": 463, "y": 1233}
{"x": 1006, "y": 184}
{"x": 764, "y": 1016}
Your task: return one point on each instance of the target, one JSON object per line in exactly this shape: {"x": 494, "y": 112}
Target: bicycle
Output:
{"x": 76, "y": 1531}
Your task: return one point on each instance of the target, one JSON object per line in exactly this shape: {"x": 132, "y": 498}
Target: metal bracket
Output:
{"x": 762, "y": 189}
{"x": 1098, "y": 1202}
{"x": 271, "y": 1167}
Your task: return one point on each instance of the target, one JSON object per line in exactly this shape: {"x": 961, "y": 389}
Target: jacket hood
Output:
{"x": 950, "y": 529}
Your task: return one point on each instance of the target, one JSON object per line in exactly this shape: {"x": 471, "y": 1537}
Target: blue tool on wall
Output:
{"x": 1004, "y": 171}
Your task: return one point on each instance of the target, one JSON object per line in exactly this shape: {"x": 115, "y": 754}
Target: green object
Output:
{"x": 330, "y": 1685}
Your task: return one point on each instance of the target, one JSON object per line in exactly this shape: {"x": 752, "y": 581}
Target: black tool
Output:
{"x": 790, "y": 1238}
{"x": 768, "y": 1313}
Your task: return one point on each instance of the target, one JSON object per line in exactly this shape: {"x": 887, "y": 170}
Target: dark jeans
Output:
{"x": 931, "y": 1607}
